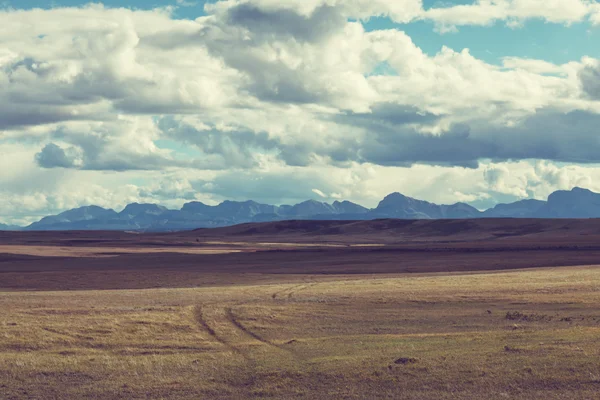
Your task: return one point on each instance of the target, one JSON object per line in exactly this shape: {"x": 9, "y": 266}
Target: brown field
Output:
{"x": 227, "y": 314}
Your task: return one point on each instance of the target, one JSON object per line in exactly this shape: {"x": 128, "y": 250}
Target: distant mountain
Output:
{"x": 139, "y": 216}
{"x": 136, "y": 210}
{"x": 196, "y": 207}
{"x": 347, "y": 207}
{"x": 242, "y": 210}
{"x": 519, "y": 209}
{"x": 576, "y": 203}
{"x": 309, "y": 208}
{"x": 5, "y": 227}
{"x": 459, "y": 211}
{"x": 79, "y": 218}
{"x": 397, "y": 205}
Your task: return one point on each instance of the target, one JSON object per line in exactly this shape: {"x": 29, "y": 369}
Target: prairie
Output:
{"x": 530, "y": 334}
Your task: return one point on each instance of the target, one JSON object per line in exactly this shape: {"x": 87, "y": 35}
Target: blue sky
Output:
{"x": 191, "y": 11}
{"x": 279, "y": 102}
{"x": 537, "y": 39}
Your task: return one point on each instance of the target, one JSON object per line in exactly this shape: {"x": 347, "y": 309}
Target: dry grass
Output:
{"x": 524, "y": 334}
{"x": 93, "y": 252}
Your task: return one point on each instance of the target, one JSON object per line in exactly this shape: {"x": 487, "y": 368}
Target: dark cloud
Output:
{"x": 390, "y": 138}
{"x": 323, "y": 21}
{"x": 407, "y": 147}
{"x": 40, "y": 99}
{"x": 590, "y": 81}
{"x": 387, "y": 114}
{"x": 283, "y": 86}
{"x": 244, "y": 32}
{"x": 14, "y": 116}
{"x": 548, "y": 135}
{"x": 54, "y": 156}
{"x": 236, "y": 148}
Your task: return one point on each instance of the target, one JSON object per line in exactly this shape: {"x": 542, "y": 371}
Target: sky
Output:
{"x": 165, "y": 101}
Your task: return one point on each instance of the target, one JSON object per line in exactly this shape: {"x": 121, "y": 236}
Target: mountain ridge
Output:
{"x": 576, "y": 203}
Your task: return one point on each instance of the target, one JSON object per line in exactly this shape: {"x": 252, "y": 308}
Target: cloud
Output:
{"x": 71, "y": 70}
{"x": 269, "y": 100}
{"x": 590, "y": 78}
{"x": 254, "y": 67}
{"x": 548, "y": 135}
{"x": 480, "y": 12}
{"x": 54, "y": 156}
{"x": 514, "y": 12}
{"x": 401, "y": 11}
{"x": 170, "y": 188}
{"x": 320, "y": 24}
{"x": 319, "y": 193}
{"x": 533, "y": 66}
{"x": 287, "y": 185}
{"x": 228, "y": 146}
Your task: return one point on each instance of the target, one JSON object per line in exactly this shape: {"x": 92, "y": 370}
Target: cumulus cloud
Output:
{"x": 590, "y": 78}
{"x": 514, "y": 12}
{"x": 269, "y": 100}
{"x": 321, "y": 23}
{"x": 120, "y": 145}
{"x": 54, "y": 156}
{"x": 98, "y": 93}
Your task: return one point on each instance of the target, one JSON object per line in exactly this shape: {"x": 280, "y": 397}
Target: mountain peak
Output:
{"x": 144, "y": 208}
{"x": 580, "y": 189}
{"x": 395, "y": 196}
{"x": 85, "y": 212}
{"x": 312, "y": 201}
{"x": 7, "y": 227}
{"x": 348, "y": 207}
{"x": 397, "y": 199}
{"x": 575, "y": 203}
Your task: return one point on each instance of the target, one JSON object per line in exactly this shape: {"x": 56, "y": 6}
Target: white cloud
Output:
{"x": 269, "y": 100}
{"x": 319, "y": 193}
{"x": 514, "y": 12}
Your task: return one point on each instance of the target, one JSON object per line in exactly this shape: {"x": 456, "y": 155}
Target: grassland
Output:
{"x": 526, "y": 334}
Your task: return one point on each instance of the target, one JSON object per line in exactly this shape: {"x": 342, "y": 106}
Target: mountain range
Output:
{"x": 575, "y": 203}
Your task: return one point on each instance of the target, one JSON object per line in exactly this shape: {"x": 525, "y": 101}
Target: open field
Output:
{"x": 531, "y": 334}
{"x": 391, "y": 309}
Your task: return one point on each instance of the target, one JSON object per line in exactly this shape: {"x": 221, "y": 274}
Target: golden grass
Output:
{"x": 82, "y": 251}
{"x": 524, "y": 334}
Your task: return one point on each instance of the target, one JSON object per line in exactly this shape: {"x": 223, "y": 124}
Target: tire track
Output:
{"x": 235, "y": 322}
{"x": 291, "y": 291}
{"x": 304, "y": 287}
{"x": 246, "y": 378}
{"x": 290, "y": 356}
{"x": 283, "y": 291}
{"x": 74, "y": 336}
{"x": 201, "y": 320}
{"x": 236, "y": 330}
